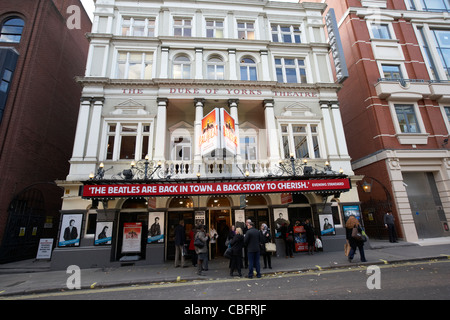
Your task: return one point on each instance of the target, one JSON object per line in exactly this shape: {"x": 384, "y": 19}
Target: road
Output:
{"x": 421, "y": 280}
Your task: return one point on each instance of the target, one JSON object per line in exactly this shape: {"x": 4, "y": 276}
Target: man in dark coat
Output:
{"x": 252, "y": 241}
{"x": 180, "y": 237}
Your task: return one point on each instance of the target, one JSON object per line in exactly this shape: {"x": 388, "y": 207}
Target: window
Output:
{"x": 429, "y": 57}
{"x": 286, "y": 33}
{"x": 134, "y": 65}
{"x": 391, "y": 71}
{"x": 300, "y": 140}
{"x": 181, "y": 147}
{"x": 6, "y": 80}
{"x": 248, "y": 69}
{"x": 126, "y": 140}
{"x": 214, "y": 29}
{"x": 215, "y": 68}
{"x": 248, "y": 147}
{"x": 246, "y": 30}
{"x": 447, "y": 113}
{"x": 182, "y": 27}
{"x": 290, "y": 70}
{"x": 12, "y": 30}
{"x": 381, "y": 31}
{"x": 443, "y": 48}
{"x": 407, "y": 119}
{"x": 435, "y": 5}
{"x": 181, "y": 67}
{"x": 139, "y": 27}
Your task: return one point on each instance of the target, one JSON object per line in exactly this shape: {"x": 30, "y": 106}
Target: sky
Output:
{"x": 89, "y": 5}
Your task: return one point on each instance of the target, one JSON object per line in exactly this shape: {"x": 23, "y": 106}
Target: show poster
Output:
{"x": 209, "y": 139}
{"x": 156, "y": 229}
{"x": 218, "y": 132}
{"x": 229, "y": 138}
{"x": 103, "y": 233}
{"x": 280, "y": 216}
{"x": 69, "y": 234}
{"x": 132, "y": 233}
{"x": 326, "y": 224}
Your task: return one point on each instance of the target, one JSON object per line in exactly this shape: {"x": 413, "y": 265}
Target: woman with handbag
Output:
{"x": 353, "y": 228}
{"x": 201, "y": 248}
{"x": 266, "y": 237}
{"x": 236, "y": 245}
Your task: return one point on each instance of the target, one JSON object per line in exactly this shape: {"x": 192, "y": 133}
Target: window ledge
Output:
{"x": 412, "y": 138}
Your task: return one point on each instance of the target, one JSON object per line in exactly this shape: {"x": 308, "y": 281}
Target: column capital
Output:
{"x": 199, "y": 102}
{"x": 162, "y": 101}
{"x": 269, "y": 103}
{"x": 233, "y": 102}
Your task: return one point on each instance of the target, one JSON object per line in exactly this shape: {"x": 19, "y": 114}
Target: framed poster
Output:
{"x": 70, "y": 232}
{"x": 156, "y": 230}
{"x": 103, "y": 233}
{"x": 132, "y": 233}
{"x": 200, "y": 218}
{"x": 326, "y": 224}
{"x": 239, "y": 219}
{"x": 351, "y": 211}
{"x": 280, "y": 215}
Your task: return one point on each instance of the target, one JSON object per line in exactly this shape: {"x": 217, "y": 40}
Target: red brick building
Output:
{"x": 39, "y": 101}
{"x": 395, "y": 107}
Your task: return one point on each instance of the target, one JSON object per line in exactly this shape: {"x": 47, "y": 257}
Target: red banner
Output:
{"x": 214, "y": 188}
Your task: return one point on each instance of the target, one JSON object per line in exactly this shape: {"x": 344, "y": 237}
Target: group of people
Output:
{"x": 247, "y": 246}
{"x": 287, "y": 234}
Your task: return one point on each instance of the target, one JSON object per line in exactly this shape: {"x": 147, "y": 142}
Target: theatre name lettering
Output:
{"x": 226, "y": 92}
{"x": 174, "y": 189}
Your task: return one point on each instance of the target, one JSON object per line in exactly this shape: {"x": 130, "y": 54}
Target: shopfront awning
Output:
{"x": 103, "y": 189}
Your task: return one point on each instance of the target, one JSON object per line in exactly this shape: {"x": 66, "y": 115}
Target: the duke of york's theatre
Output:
{"x": 213, "y": 112}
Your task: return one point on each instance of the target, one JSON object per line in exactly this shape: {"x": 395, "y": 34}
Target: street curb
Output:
{"x": 93, "y": 287}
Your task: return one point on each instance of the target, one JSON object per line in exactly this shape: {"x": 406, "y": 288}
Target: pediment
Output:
{"x": 298, "y": 109}
{"x": 129, "y": 107}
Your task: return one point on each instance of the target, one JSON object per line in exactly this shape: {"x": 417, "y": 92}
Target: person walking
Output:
{"x": 351, "y": 224}
{"x": 252, "y": 241}
{"x": 214, "y": 235}
{"x": 389, "y": 223}
{"x": 310, "y": 238}
{"x": 180, "y": 237}
{"x": 236, "y": 245}
{"x": 287, "y": 234}
{"x": 192, "y": 247}
{"x": 202, "y": 249}
{"x": 266, "y": 237}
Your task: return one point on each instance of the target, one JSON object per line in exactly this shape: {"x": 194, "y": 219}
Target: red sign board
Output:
{"x": 214, "y": 188}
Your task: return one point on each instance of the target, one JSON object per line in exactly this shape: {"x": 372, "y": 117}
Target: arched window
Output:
{"x": 181, "y": 67}
{"x": 12, "y": 30}
{"x": 248, "y": 69}
{"x": 215, "y": 68}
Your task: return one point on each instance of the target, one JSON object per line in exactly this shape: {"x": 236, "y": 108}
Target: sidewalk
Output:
{"x": 31, "y": 276}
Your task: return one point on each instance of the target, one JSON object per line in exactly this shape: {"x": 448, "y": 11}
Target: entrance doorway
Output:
{"x": 179, "y": 209}
{"x": 219, "y": 217}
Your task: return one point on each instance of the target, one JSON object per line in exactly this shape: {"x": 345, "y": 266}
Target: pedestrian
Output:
{"x": 192, "y": 247}
{"x": 310, "y": 238}
{"x": 236, "y": 245}
{"x": 287, "y": 234}
{"x": 389, "y": 223}
{"x": 180, "y": 237}
{"x": 266, "y": 237}
{"x": 352, "y": 223}
{"x": 201, "y": 250}
{"x": 230, "y": 235}
{"x": 252, "y": 241}
{"x": 245, "y": 248}
{"x": 214, "y": 235}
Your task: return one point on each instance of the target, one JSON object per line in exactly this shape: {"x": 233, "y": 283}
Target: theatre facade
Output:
{"x": 208, "y": 112}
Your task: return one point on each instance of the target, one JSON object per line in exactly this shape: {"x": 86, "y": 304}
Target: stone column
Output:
{"x": 93, "y": 142}
{"x": 233, "y": 104}
{"x": 232, "y": 64}
{"x": 272, "y": 132}
{"x": 328, "y": 128}
{"x": 198, "y": 104}
{"x": 82, "y": 130}
{"x": 160, "y": 133}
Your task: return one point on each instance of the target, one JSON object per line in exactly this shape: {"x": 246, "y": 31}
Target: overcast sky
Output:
{"x": 89, "y": 5}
